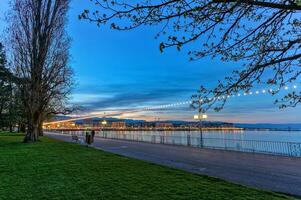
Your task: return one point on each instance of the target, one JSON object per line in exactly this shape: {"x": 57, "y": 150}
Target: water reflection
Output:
{"x": 281, "y": 136}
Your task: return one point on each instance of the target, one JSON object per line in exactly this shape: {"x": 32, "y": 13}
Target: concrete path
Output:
{"x": 276, "y": 173}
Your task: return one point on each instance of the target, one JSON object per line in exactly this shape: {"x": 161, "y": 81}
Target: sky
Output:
{"x": 117, "y": 70}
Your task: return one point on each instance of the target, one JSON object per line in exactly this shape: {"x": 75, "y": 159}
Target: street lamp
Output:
{"x": 200, "y": 117}
{"x": 104, "y": 122}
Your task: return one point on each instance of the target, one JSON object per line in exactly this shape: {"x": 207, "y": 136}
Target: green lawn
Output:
{"x": 52, "y": 169}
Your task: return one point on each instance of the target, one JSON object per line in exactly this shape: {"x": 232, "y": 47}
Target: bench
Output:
{"x": 75, "y": 138}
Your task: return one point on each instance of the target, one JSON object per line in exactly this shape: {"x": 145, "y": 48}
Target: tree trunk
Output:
{"x": 19, "y": 127}
{"x": 32, "y": 134}
{"x": 40, "y": 128}
{"x": 22, "y": 127}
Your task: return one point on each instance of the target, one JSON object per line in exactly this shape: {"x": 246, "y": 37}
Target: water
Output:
{"x": 279, "y": 136}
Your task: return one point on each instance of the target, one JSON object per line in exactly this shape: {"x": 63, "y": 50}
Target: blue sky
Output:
{"x": 125, "y": 70}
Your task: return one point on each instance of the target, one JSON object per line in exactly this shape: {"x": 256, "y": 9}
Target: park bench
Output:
{"x": 75, "y": 138}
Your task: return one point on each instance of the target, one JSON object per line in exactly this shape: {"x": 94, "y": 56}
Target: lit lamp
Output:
{"x": 200, "y": 117}
{"x": 103, "y": 123}
{"x": 203, "y": 116}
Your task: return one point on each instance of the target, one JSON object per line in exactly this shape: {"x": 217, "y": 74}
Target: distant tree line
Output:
{"x": 11, "y": 108}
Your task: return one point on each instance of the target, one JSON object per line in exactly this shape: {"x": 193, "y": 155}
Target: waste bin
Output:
{"x": 88, "y": 138}
{"x": 92, "y": 135}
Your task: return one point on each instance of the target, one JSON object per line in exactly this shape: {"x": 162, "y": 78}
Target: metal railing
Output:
{"x": 292, "y": 149}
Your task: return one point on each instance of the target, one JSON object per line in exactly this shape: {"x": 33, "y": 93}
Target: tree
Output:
{"x": 5, "y": 89}
{"x": 263, "y": 35}
{"x": 40, "y": 55}
{"x": 10, "y": 106}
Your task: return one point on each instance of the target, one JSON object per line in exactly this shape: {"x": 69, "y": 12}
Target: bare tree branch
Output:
{"x": 263, "y": 35}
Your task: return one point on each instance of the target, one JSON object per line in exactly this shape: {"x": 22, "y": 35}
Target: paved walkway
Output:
{"x": 276, "y": 173}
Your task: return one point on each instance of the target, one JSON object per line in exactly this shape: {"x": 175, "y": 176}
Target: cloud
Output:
{"x": 129, "y": 97}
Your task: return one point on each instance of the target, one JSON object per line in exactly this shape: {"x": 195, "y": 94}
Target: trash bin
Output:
{"x": 88, "y": 138}
{"x": 93, "y": 135}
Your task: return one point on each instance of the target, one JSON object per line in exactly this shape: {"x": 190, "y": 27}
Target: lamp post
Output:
{"x": 103, "y": 123}
{"x": 200, "y": 117}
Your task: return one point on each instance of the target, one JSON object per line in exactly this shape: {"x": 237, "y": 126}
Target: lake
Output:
{"x": 281, "y": 136}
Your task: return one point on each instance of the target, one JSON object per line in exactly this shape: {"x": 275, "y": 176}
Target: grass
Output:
{"x": 53, "y": 169}
{"x": 6, "y": 133}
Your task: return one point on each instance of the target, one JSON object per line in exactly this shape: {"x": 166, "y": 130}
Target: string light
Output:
{"x": 263, "y": 91}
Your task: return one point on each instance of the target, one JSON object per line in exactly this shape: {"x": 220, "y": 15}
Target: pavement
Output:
{"x": 269, "y": 172}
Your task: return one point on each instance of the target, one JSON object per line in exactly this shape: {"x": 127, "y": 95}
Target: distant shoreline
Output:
{"x": 230, "y": 129}
{"x": 270, "y": 129}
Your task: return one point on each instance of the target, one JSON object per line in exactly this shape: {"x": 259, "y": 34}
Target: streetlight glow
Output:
{"x": 203, "y": 116}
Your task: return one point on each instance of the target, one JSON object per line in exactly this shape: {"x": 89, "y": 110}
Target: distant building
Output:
{"x": 61, "y": 125}
{"x": 119, "y": 124}
{"x": 164, "y": 125}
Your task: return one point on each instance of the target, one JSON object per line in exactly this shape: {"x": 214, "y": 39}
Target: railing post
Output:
{"x": 289, "y": 148}
{"x": 162, "y": 139}
{"x": 188, "y": 140}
